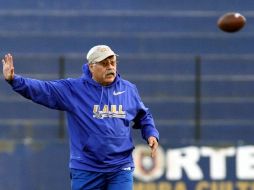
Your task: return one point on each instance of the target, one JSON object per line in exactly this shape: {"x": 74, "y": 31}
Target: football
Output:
{"x": 231, "y": 22}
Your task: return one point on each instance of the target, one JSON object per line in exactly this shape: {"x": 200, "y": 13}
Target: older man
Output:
{"x": 100, "y": 108}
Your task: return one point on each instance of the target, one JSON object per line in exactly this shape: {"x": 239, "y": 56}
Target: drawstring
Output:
{"x": 108, "y": 98}
{"x": 98, "y": 114}
{"x": 101, "y": 97}
{"x": 102, "y": 90}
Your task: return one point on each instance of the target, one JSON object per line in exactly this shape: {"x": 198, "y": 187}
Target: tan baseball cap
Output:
{"x": 99, "y": 53}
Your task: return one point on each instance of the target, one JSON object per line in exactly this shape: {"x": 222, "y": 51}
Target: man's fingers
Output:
{"x": 8, "y": 59}
{"x": 8, "y": 67}
{"x": 153, "y": 152}
{"x": 153, "y": 144}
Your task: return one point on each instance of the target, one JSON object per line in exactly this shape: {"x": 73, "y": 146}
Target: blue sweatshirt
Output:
{"x": 99, "y": 118}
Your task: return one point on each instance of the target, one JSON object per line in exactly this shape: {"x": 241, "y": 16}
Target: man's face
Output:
{"x": 104, "y": 72}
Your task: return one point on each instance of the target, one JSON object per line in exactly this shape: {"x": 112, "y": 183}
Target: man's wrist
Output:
{"x": 10, "y": 80}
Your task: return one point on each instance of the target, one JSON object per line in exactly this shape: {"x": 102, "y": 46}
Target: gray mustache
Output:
{"x": 110, "y": 72}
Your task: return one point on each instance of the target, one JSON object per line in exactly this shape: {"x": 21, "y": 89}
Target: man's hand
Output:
{"x": 153, "y": 143}
{"x": 8, "y": 68}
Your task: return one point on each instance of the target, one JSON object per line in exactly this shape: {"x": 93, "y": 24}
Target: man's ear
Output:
{"x": 91, "y": 67}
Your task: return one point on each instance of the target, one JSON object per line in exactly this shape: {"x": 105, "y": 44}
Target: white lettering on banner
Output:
{"x": 245, "y": 162}
{"x": 187, "y": 159}
{"x": 199, "y": 185}
{"x": 217, "y": 160}
{"x": 183, "y": 159}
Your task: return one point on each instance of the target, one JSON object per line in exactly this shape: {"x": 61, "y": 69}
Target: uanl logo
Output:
{"x": 108, "y": 111}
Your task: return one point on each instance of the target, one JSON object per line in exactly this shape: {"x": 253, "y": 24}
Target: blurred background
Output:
{"x": 196, "y": 80}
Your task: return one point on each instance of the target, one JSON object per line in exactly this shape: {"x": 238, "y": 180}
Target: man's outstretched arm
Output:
{"x": 8, "y": 67}
{"x": 52, "y": 94}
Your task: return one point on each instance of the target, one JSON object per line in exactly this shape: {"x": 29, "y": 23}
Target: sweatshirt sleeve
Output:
{"x": 52, "y": 94}
{"x": 144, "y": 120}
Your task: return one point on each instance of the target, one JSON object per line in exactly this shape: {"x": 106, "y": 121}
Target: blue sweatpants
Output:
{"x": 84, "y": 180}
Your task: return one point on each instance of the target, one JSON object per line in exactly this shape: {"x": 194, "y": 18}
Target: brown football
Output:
{"x": 231, "y": 22}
